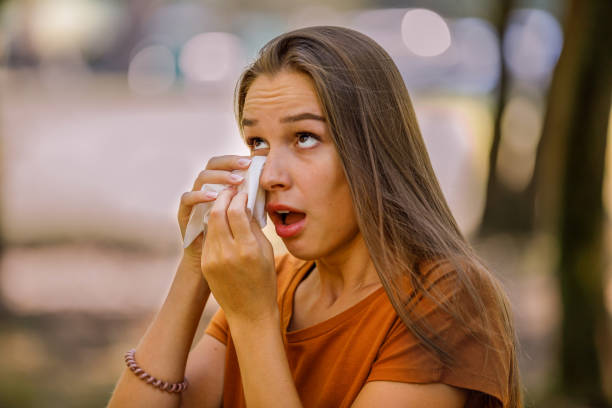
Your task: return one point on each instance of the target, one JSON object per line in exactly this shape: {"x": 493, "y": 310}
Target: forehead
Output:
{"x": 285, "y": 90}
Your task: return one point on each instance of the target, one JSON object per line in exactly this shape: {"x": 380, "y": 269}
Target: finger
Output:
{"x": 238, "y": 220}
{"x": 228, "y": 162}
{"x": 257, "y": 231}
{"x": 261, "y": 238}
{"x": 189, "y": 199}
{"x": 216, "y": 177}
{"x": 192, "y": 198}
{"x": 217, "y": 219}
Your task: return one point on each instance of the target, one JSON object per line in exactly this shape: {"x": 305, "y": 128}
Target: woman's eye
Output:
{"x": 306, "y": 140}
{"x": 256, "y": 143}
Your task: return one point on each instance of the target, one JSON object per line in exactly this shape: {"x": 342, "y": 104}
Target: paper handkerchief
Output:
{"x": 256, "y": 202}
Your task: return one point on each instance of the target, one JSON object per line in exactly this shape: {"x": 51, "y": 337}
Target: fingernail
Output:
{"x": 212, "y": 194}
{"x": 236, "y": 177}
{"x": 244, "y": 162}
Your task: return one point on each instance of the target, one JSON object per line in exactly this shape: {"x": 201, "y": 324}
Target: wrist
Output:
{"x": 191, "y": 269}
{"x": 269, "y": 320}
{"x": 192, "y": 262}
{"x": 189, "y": 283}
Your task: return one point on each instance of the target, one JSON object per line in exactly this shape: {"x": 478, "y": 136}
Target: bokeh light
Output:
{"x": 64, "y": 27}
{"x": 521, "y": 125}
{"x": 456, "y": 132}
{"x": 425, "y": 32}
{"x": 211, "y": 57}
{"x": 152, "y": 70}
{"x": 470, "y": 64}
{"x": 475, "y": 56}
{"x": 532, "y": 44}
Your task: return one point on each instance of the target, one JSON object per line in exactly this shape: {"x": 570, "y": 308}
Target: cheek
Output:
{"x": 328, "y": 193}
{"x": 339, "y": 204}
{"x": 345, "y": 210}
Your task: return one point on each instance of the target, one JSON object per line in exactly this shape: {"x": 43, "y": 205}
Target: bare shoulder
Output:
{"x": 391, "y": 394}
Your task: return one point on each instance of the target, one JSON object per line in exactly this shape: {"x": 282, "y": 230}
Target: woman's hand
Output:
{"x": 218, "y": 171}
{"x": 238, "y": 261}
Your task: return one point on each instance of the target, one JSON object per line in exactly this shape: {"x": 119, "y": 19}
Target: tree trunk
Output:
{"x": 3, "y": 308}
{"x": 505, "y": 210}
{"x": 570, "y": 170}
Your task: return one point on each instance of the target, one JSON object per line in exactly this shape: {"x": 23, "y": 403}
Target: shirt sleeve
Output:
{"x": 218, "y": 327}
{"x": 478, "y": 366}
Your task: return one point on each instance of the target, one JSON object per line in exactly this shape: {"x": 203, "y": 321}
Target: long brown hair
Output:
{"x": 400, "y": 208}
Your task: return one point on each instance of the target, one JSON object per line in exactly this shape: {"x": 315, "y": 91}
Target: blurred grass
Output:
{"x": 68, "y": 360}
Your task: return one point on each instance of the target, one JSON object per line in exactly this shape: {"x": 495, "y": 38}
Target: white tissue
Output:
{"x": 256, "y": 201}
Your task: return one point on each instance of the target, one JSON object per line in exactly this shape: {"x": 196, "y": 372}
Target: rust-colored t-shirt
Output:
{"x": 332, "y": 360}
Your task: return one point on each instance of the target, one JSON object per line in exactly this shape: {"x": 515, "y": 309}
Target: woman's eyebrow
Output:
{"x": 287, "y": 119}
{"x": 302, "y": 116}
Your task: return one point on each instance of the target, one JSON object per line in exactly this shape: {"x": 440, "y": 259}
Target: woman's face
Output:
{"x": 283, "y": 119}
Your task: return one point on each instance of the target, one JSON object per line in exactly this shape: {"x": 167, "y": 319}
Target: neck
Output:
{"x": 345, "y": 272}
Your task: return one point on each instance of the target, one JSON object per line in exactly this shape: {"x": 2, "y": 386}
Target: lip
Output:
{"x": 273, "y": 207}
{"x": 282, "y": 230}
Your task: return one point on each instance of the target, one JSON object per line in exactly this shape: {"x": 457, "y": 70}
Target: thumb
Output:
{"x": 259, "y": 235}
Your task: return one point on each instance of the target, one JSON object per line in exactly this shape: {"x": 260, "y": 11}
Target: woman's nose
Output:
{"x": 274, "y": 175}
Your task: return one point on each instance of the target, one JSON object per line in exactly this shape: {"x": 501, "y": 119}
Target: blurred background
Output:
{"x": 109, "y": 109}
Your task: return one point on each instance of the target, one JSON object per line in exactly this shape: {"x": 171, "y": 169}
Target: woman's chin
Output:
{"x": 301, "y": 251}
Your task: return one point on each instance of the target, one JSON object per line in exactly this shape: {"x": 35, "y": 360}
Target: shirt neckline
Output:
{"x": 326, "y": 325}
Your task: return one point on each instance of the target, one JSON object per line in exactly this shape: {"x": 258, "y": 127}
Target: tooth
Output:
{"x": 283, "y": 212}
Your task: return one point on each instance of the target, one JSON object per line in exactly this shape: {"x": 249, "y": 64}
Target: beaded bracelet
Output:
{"x": 149, "y": 379}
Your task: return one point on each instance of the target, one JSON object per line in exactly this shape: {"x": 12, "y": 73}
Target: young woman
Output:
{"x": 380, "y": 300}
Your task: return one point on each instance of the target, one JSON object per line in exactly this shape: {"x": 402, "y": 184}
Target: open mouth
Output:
{"x": 287, "y": 222}
{"x": 289, "y": 217}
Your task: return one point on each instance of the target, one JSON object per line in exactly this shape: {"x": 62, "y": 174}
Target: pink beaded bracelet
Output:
{"x": 149, "y": 379}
